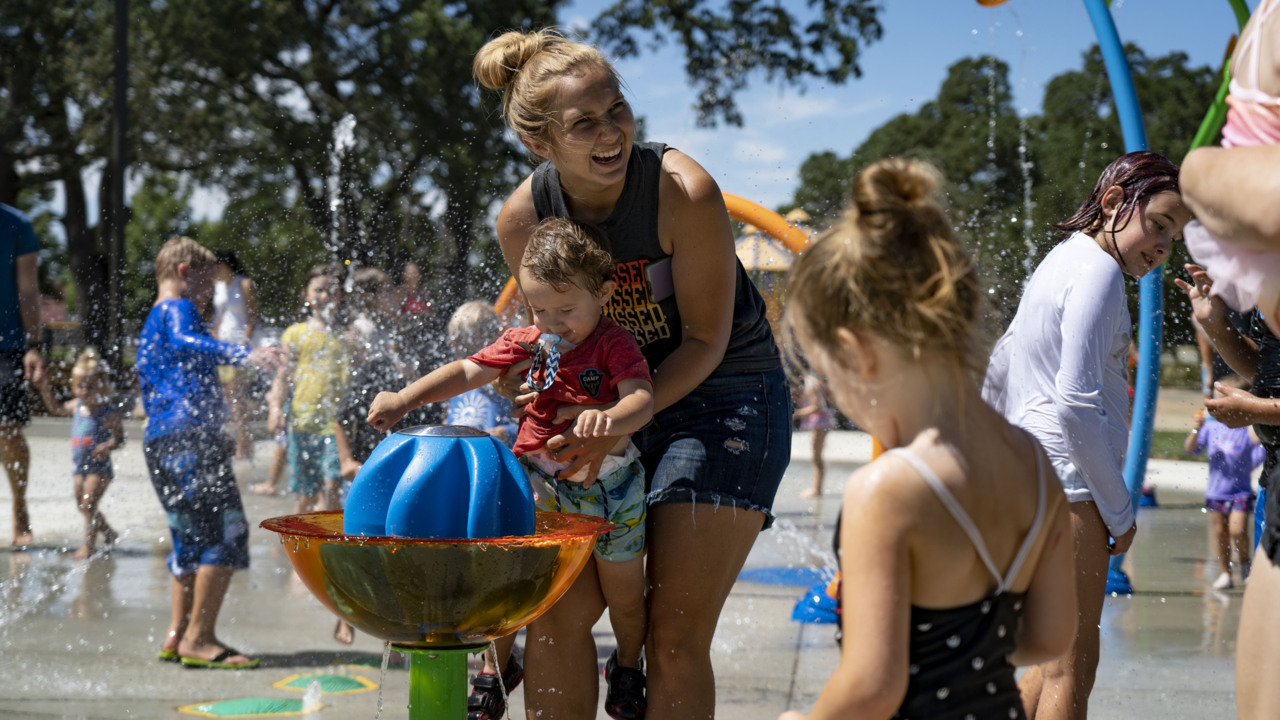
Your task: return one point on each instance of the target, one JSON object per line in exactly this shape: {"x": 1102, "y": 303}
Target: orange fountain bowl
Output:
{"x": 438, "y": 593}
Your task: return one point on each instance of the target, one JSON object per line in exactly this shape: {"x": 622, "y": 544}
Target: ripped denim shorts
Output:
{"x": 727, "y": 442}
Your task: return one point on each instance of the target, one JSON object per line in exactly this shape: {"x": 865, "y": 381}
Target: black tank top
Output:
{"x": 645, "y": 301}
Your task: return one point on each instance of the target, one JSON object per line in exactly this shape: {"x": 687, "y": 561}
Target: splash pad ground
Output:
{"x": 79, "y": 640}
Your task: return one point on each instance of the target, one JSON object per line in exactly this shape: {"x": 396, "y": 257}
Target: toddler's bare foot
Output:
{"x": 23, "y": 539}
{"x": 83, "y": 553}
{"x": 263, "y": 488}
{"x": 809, "y": 493}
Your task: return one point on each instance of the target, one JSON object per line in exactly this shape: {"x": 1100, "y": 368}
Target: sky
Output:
{"x": 1038, "y": 39}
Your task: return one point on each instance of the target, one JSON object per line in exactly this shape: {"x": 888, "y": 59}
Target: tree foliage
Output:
{"x": 244, "y": 96}
{"x": 725, "y": 43}
{"x": 1009, "y": 179}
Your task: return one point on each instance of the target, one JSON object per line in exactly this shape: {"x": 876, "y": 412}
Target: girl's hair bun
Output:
{"x": 502, "y": 58}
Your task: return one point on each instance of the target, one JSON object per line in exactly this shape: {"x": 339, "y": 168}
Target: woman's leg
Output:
{"x": 561, "y": 668}
{"x": 695, "y": 553}
{"x": 1257, "y": 652}
{"x": 1065, "y": 683}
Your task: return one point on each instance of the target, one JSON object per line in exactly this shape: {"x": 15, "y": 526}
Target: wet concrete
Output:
{"x": 78, "y": 639}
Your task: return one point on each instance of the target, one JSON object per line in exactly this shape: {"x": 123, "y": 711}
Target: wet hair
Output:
{"x": 230, "y": 259}
{"x": 89, "y": 365}
{"x": 892, "y": 265}
{"x": 526, "y": 68}
{"x": 473, "y": 326}
{"x": 563, "y": 253}
{"x": 1141, "y": 175}
{"x": 178, "y": 250}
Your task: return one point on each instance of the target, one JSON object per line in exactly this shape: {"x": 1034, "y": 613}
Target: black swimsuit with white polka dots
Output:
{"x": 959, "y": 657}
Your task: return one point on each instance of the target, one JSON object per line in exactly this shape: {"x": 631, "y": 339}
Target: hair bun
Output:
{"x": 893, "y": 185}
{"x": 501, "y": 59}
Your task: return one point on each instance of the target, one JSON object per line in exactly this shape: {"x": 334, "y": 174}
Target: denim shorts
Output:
{"x": 192, "y": 477}
{"x": 727, "y": 442}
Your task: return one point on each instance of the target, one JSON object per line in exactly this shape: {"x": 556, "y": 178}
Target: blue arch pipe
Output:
{"x": 1150, "y": 298}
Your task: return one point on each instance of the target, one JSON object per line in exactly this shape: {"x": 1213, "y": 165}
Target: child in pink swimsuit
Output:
{"x": 1247, "y": 276}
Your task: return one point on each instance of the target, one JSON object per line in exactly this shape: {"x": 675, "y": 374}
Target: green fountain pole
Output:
{"x": 437, "y": 683}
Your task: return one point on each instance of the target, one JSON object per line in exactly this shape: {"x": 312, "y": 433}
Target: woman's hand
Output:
{"x": 1234, "y": 409}
{"x": 581, "y": 453}
{"x": 386, "y": 410}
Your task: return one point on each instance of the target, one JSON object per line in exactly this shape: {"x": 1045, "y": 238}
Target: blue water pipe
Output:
{"x": 1150, "y": 299}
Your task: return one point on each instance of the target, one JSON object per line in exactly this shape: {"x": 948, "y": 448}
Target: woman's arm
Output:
{"x": 1238, "y": 408}
{"x": 870, "y": 680}
{"x": 693, "y": 226}
{"x": 1048, "y": 625}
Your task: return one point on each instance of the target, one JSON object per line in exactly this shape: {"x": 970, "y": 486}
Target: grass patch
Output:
{"x": 1167, "y": 445}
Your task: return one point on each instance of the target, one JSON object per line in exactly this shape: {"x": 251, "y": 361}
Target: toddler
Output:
{"x": 1233, "y": 454}
{"x": 96, "y": 430}
{"x": 312, "y": 380}
{"x": 580, "y": 358}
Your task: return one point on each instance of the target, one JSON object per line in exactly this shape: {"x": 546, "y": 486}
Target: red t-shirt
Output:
{"x": 589, "y": 375}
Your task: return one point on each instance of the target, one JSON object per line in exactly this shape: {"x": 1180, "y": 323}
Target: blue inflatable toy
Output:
{"x": 440, "y": 481}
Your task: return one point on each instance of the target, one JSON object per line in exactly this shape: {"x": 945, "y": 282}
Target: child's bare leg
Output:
{"x": 496, "y": 665}
{"x": 1221, "y": 541}
{"x": 306, "y": 503}
{"x": 819, "y": 467}
{"x": 279, "y": 458}
{"x": 1238, "y": 528}
{"x": 332, "y": 494}
{"x": 89, "y": 491}
{"x": 623, "y": 585}
{"x": 16, "y": 455}
{"x": 181, "y": 591}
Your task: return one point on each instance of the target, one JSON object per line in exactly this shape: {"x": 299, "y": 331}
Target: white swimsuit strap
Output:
{"x": 1034, "y": 530}
{"x": 1005, "y": 580}
{"x": 953, "y": 506}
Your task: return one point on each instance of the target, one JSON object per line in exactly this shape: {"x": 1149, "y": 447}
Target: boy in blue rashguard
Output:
{"x": 187, "y": 454}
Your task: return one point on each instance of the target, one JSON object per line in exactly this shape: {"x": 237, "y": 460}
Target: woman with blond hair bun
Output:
{"x": 721, "y": 434}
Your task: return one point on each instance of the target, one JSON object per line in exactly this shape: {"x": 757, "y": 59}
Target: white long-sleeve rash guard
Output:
{"x": 1060, "y": 372}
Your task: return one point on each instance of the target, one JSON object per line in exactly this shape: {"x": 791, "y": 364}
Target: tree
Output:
{"x": 245, "y": 96}
{"x": 1066, "y": 146}
{"x": 724, "y": 44}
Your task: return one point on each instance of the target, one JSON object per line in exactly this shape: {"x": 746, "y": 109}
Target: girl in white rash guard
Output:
{"x": 1060, "y": 372}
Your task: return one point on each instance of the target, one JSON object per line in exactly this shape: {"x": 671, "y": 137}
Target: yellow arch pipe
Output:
{"x": 740, "y": 209}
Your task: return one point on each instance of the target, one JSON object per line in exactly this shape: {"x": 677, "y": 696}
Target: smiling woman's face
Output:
{"x": 592, "y": 129}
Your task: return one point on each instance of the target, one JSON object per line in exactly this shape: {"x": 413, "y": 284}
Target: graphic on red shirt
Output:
{"x": 589, "y": 375}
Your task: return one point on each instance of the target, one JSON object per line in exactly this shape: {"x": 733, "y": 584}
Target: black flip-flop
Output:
{"x": 220, "y": 662}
